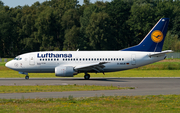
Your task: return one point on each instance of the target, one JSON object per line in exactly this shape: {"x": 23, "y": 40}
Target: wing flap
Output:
{"x": 98, "y": 67}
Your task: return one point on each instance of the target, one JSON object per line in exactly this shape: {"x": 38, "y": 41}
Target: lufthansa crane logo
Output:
{"x": 157, "y": 36}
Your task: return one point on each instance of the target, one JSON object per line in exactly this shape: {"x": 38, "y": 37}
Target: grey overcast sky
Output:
{"x": 14, "y": 3}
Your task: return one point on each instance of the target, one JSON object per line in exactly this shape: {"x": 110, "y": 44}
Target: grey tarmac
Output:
{"x": 143, "y": 86}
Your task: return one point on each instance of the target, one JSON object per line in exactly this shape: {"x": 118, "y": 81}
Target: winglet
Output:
{"x": 154, "y": 40}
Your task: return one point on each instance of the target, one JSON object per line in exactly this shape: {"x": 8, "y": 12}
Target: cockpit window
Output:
{"x": 17, "y": 58}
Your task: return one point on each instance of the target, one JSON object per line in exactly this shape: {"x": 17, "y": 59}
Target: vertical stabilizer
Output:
{"x": 154, "y": 40}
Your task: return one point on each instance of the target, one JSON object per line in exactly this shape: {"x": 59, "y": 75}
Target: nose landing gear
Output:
{"x": 24, "y": 73}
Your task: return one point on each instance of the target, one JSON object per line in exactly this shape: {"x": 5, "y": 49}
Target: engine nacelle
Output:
{"x": 64, "y": 71}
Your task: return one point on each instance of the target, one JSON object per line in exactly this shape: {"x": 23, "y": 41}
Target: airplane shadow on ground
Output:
{"x": 66, "y": 79}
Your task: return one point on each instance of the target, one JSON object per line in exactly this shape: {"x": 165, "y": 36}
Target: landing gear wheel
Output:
{"x": 26, "y": 77}
{"x": 86, "y": 77}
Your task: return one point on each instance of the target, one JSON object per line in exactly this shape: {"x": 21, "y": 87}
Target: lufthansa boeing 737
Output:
{"x": 70, "y": 63}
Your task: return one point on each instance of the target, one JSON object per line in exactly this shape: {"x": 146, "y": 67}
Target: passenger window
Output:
{"x": 40, "y": 59}
{"x": 97, "y": 59}
{"x": 92, "y": 59}
{"x": 57, "y": 59}
{"x": 100, "y": 59}
{"x": 117, "y": 59}
{"x": 80, "y": 59}
{"x": 51, "y": 59}
{"x": 120, "y": 59}
{"x": 48, "y": 59}
{"x": 106, "y": 59}
{"x": 76, "y": 59}
{"x": 109, "y": 59}
{"x": 45, "y": 59}
{"x": 54, "y": 59}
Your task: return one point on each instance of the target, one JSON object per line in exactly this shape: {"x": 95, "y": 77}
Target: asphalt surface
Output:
{"x": 143, "y": 86}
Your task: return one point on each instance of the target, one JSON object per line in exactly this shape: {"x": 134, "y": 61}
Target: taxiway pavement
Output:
{"x": 143, "y": 86}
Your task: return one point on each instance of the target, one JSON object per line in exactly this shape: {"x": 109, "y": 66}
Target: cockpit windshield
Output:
{"x": 17, "y": 58}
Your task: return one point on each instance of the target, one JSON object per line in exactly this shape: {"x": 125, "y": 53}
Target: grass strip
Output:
{"x": 110, "y": 104}
{"x": 161, "y": 66}
{"x": 57, "y": 88}
{"x": 127, "y": 73}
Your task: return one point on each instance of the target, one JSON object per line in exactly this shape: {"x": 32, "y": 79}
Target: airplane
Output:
{"x": 70, "y": 63}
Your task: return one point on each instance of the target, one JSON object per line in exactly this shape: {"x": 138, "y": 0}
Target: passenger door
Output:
{"x": 31, "y": 60}
{"x": 133, "y": 59}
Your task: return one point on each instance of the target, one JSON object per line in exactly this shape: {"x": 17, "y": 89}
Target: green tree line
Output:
{"x": 65, "y": 25}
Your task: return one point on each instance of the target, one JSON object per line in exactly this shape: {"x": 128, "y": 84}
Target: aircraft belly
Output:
{"x": 36, "y": 70}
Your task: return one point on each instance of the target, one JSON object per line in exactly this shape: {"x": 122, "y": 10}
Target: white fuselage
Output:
{"x": 69, "y": 63}
{"x": 45, "y": 62}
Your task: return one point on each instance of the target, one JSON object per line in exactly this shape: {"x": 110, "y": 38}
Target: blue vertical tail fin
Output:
{"x": 154, "y": 40}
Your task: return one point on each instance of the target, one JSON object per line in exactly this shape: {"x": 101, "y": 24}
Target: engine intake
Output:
{"x": 64, "y": 71}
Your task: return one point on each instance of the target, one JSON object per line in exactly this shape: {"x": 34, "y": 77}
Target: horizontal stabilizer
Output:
{"x": 160, "y": 53}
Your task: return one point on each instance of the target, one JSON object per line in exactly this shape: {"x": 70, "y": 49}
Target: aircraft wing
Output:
{"x": 98, "y": 67}
{"x": 160, "y": 53}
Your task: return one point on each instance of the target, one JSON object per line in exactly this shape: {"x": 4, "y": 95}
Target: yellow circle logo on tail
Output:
{"x": 157, "y": 36}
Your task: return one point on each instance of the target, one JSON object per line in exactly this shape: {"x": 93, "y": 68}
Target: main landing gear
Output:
{"x": 86, "y": 76}
{"x": 26, "y": 77}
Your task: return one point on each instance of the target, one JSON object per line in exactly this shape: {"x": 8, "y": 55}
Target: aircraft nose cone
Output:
{"x": 7, "y": 64}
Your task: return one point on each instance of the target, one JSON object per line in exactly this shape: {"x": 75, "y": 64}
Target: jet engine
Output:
{"x": 64, "y": 71}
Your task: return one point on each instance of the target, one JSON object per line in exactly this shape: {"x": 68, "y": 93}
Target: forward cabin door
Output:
{"x": 133, "y": 59}
{"x": 31, "y": 60}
